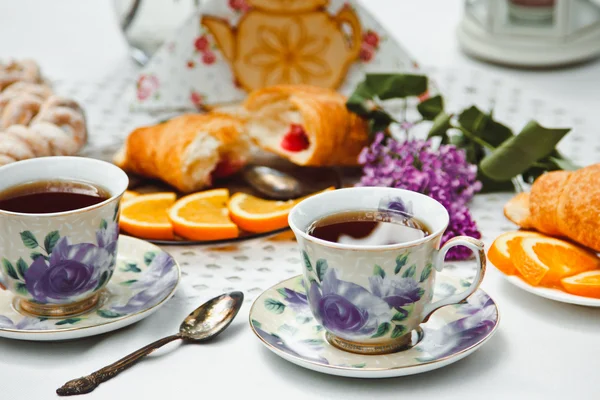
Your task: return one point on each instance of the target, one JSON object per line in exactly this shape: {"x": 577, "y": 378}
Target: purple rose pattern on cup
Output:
{"x": 62, "y": 272}
{"x": 348, "y": 309}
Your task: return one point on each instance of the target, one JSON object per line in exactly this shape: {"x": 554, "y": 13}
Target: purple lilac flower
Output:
{"x": 397, "y": 292}
{"x": 71, "y": 271}
{"x": 347, "y": 308}
{"x": 443, "y": 174}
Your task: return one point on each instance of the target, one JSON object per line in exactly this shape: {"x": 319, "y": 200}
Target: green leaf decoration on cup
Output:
{"x": 321, "y": 268}
{"x": 69, "y": 321}
{"x": 274, "y": 306}
{"x": 426, "y": 272}
{"x": 378, "y": 271}
{"x": 131, "y": 267}
{"x": 382, "y": 330}
{"x": 35, "y": 254}
{"x": 21, "y": 288}
{"x": 398, "y": 331}
{"x": 29, "y": 239}
{"x": 22, "y": 268}
{"x": 400, "y": 316}
{"x": 306, "y": 260}
{"x": 410, "y": 272}
{"x": 50, "y": 241}
{"x": 103, "y": 224}
{"x": 124, "y": 283}
{"x": 9, "y": 269}
{"x": 400, "y": 262}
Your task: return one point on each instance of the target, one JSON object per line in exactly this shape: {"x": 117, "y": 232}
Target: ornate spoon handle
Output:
{"x": 88, "y": 383}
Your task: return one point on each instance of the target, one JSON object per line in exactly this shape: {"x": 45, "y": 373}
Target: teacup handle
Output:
{"x": 478, "y": 250}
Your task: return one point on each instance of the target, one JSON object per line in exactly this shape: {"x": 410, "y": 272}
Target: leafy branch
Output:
{"x": 499, "y": 154}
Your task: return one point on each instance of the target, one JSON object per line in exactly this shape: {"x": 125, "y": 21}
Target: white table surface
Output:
{"x": 543, "y": 350}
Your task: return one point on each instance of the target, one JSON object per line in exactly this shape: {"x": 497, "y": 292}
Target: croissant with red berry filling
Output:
{"x": 306, "y": 124}
{"x": 187, "y": 152}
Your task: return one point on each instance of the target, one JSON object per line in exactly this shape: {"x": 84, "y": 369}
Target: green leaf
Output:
{"x": 410, "y": 272}
{"x": 398, "y": 331}
{"x": 379, "y": 121}
{"x": 313, "y": 342}
{"x": 307, "y": 263}
{"x": 518, "y": 153}
{"x": 484, "y": 126}
{"x": 426, "y": 272}
{"x": 274, "y": 306}
{"x": 400, "y": 262}
{"x": 564, "y": 164}
{"x": 318, "y": 328}
{"x": 22, "y": 267}
{"x": 124, "y": 283}
{"x": 358, "y": 101}
{"x": 303, "y": 319}
{"x": 104, "y": 277}
{"x": 108, "y": 314}
{"x": 103, "y": 224}
{"x": 256, "y": 324}
{"x": 465, "y": 283}
{"x": 361, "y": 365}
{"x": 149, "y": 257}
{"x": 400, "y": 316}
{"x": 9, "y": 269}
{"x": 440, "y": 126}
{"x": 392, "y": 86}
{"x": 431, "y": 107}
{"x": 282, "y": 292}
{"x": 421, "y": 292}
{"x": 382, "y": 330}
{"x": 321, "y": 268}
{"x": 131, "y": 267}
{"x": 490, "y": 185}
{"x": 34, "y": 255}
{"x": 287, "y": 329}
{"x": 377, "y": 270}
{"x": 50, "y": 241}
{"x": 69, "y": 321}
{"x": 21, "y": 288}
{"x": 116, "y": 212}
{"x": 29, "y": 239}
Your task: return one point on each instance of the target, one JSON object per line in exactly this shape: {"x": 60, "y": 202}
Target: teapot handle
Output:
{"x": 348, "y": 15}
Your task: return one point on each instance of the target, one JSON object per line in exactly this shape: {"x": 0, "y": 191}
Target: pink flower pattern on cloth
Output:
{"x": 146, "y": 86}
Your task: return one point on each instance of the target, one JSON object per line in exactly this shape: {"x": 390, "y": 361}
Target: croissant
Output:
{"x": 187, "y": 152}
{"x": 19, "y": 71}
{"x": 306, "y": 124}
{"x": 562, "y": 203}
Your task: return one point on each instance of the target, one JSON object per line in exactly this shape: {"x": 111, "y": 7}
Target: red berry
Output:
{"x": 190, "y": 64}
{"x": 366, "y": 52}
{"x": 295, "y": 139}
{"x": 371, "y": 38}
{"x": 208, "y": 57}
{"x": 226, "y": 168}
{"x": 201, "y": 43}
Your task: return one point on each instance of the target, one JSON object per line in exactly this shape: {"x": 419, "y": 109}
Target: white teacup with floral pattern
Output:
{"x": 369, "y": 299}
{"x": 56, "y": 264}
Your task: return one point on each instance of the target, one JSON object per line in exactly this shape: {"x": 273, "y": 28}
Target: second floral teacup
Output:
{"x": 370, "y": 298}
{"x": 56, "y": 263}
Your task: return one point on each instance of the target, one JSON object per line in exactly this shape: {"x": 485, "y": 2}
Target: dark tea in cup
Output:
{"x": 53, "y": 196}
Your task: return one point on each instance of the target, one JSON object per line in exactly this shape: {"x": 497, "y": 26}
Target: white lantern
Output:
{"x": 531, "y": 33}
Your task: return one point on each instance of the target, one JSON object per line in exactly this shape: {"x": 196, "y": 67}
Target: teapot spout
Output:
{"x": 223, "y": 34}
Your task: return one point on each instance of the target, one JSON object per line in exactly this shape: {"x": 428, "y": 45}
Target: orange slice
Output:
{"x": 145, "y": 216}
{"x": 257, "y": 215}
{"x": 499, "y": 255}
{"x": 584, "y": 284}
{"x": 545, "y": 260}
{"x": 128, "y": 195}
{"x": 203, "y": 216}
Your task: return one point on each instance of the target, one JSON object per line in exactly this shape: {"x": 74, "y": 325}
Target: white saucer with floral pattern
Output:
{"x": 282, "y": 320}
{"x": 144, "y": 278}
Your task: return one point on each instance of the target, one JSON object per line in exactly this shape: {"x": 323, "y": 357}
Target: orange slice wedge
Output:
{"x": 128, "y": 195}
{"x": 257, "y": 215}
{"x": 545, "y": 261}
{"x": 499, "y": 255}
{"x": 145, "y": 216}
{"x": 584, "y": 284}
{"x": 203, "y": 216}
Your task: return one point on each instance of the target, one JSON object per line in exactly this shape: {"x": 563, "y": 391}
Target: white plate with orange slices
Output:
{"x": 207, "y": 217}
{"x": 548, "y": 267}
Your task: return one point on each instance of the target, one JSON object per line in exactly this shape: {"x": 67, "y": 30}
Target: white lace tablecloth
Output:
{"x": 543, "y": 349}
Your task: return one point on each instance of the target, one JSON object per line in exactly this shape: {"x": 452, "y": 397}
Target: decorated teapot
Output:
{"x": 289, "y": 41}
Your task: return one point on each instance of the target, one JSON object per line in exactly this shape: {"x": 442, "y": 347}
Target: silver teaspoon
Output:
{"x": 272, "y": 183}
{"x": 204, "y": 323}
